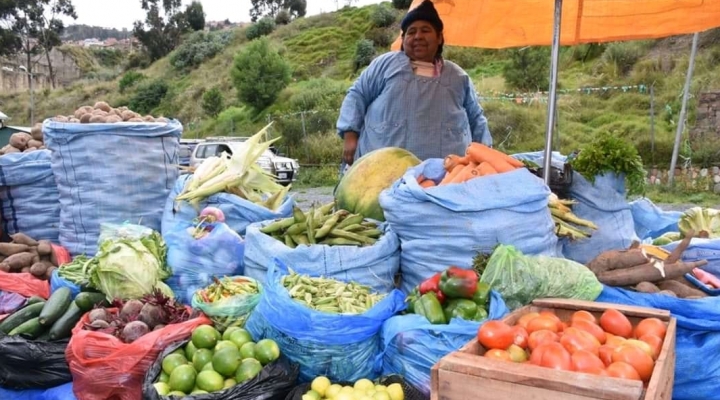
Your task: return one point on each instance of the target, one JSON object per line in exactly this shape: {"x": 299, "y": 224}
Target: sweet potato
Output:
{"x": 647, "y": 273}
{"x": 19, "y": 261}
{"x": 22, "y": 238}
{"x": 8, "y": 249}
{"x": 44, "y": 247}
{"x": 647, "y": 287}
{"x": 36, "y": 132}
{"x": 20, "y": 140}
{"x": 38, "y": 269}
{"x": 25, "y": 270}
{"x": 617, "y": 259}
{"x": 680, "y": 290}
{"x": 49, "y": 272}
{"x": 668, "y": 293}
{"x": 4, "y": 267}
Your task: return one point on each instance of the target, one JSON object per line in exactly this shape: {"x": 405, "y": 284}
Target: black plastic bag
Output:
{"x": 274, "y": 382}
{"x": 408, "y": 390}
{"x": 32, "y": 364}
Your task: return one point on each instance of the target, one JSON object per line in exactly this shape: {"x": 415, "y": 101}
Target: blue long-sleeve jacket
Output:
{"x": 390, "y": 106}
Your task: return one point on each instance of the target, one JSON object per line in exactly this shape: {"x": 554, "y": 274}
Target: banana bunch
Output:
{"x": 565, "y": 220}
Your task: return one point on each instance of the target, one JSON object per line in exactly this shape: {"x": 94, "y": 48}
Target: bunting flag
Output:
{"x": 542, "y": 96}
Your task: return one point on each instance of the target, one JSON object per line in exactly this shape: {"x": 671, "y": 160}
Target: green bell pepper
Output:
{"x": 429, "y": 306}
{"x": 481, "y": 315}
{"x": 482, "y": 294}
{"x": 458, "y": 283}
{"x": 461, "y": 308}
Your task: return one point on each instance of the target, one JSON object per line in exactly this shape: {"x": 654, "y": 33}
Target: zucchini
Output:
{"x": 56, "y": 306}
{"x": 64, "y": 325}
{"x": 44, "y": 337}
{"x": 30, "y": 328}
{"x": 35, "y": 299}
{"x": 87, "y": 300}
{"x": 18, "y": 317}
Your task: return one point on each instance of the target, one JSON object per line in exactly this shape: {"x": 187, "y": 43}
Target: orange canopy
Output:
{"x": 499, "y": 24}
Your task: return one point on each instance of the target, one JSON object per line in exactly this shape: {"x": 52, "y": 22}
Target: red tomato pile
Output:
{"x": 610, "y": 346}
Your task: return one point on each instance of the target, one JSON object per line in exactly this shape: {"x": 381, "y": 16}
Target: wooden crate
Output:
{"x": 466, "y": 375}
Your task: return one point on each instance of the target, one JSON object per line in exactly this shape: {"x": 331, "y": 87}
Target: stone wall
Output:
{"x": 13, "y": 80}
{"x": 703, "y": 179}
{"x": 707, "y": 122}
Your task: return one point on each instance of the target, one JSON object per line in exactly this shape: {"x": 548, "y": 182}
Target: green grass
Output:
{"x": 668, "y": 195}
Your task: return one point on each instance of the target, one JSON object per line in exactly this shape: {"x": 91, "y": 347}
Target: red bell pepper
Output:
{"x": 458, "y": 283}
{"x": 432, "y": 284}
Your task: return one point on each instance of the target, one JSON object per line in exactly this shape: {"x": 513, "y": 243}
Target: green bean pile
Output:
{"x": 330, "y": 295}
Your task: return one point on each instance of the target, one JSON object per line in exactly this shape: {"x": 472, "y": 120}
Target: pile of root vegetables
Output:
{"x": 25, "y": 254}
{"x": 649, "y": 269}
{"x": 22, "y": 142}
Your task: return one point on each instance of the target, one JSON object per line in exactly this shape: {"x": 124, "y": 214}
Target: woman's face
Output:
{"x": 421, "y": 41}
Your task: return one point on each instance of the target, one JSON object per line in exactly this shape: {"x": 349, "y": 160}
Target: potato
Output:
{"x": 4, "y": 267}
{"x": 42, "y": 147}
{"x": 20, "y": 140}
{"x": 99, "y": 112}
{"x": 25, "y": 270}
{"x": 35, "y": 143}
{"x": 136, "y": 119}
{"x": 36, "y": 132}
{"x": 148, "y": 118}
{"x": 101, "y": 105}
{"x": 162, "y": 119}
{"x": 116, "y": 111}
{"x": 74, "y": 120}
{"x": 85, "y": 118}
{"x": 98, "y": 119}
{"x": 44, "y": 247}
{"x": 82, "y": 110}
{"x": 10, "y": 149}
{"x": 60, "y": 118}
{"x": 111, "y": 119}
{"x": 127, "y": 115}
{"x": 38, "y": 269}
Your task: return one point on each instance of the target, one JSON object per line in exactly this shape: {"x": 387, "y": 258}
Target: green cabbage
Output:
{"x": 130, "y": 262}
{"x": 520, "y": 279}
{"x": 704, "y": 221}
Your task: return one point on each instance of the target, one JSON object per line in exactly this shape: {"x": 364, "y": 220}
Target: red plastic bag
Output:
{"x": 62, "y": 255}
{"x": 24, "y": 284}
{"x": 104, "y": 367}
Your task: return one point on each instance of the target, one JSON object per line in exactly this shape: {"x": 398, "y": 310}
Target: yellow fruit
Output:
{"x": 320, "y": 384}
{"x": 381, "y": 395}
{"x": 333, "y": 391}
{"x": 380, "y": 388}
{"x": 311, "y": 395}
{"x": 347, "y": 389}
{"x": 344, "y": 396}
{"x": 364, "y": 385}
{"x": 395, "y": 391}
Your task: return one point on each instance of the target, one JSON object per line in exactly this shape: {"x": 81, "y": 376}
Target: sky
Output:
{"x": 120, "y": 14}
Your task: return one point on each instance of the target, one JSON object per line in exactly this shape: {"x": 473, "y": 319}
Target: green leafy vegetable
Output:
{"x": 704, "y": 221}
{"x": 608, "y": 153}
{"x": 520, "y": 279}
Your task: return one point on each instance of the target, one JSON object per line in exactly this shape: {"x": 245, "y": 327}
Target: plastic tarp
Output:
{"x": 504, "y": 23}
{"x": 697, "y": 341}
{"x": 111, "y": 173}
{"x": 651, "y": 221}
{"x": 62, "y": 392}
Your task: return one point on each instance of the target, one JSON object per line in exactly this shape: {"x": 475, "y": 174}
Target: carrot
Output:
{"x": 420, "y": 178}
{"x": 451, "y": 175}
{"x": 427, "y": 183}
{"x": 485, "y": 169}
{"x": 453, "y": 160}
{"x": 479, "y": 152}
{"x": 465, "y": 173}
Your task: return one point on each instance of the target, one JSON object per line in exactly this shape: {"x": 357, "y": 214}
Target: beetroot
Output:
{"x": 98, "y": 314}
{"x": 158, "y": 327}
{"x": 134, "y": 330}
{"x": 131, "y": 310}
{"x": 99, "y": 324}
{"x": 152, "y": 315}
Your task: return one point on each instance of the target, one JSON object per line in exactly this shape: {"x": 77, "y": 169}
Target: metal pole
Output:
{"x": 32, "y": 100}
{"x": 683, "y": 109}
{"x": 552, "y": 99}
{"x": 652, "y": 122}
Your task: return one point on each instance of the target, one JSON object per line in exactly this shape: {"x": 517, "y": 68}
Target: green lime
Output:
{"x": 267, "y": 351}
{"x": 210, "y": 381}
{"x": 202, "y": 357}
{"x": 205, "y": 337}
{"x": 208, "y": 367}
{"x": 176, "y": 393}
{"x": 240, "y": 337}
{"x": 183, "y": 378}
{"x": 163, "y": 377}
{"x": 229, "y": 382}
{"x": 224, "y": 344}
{"x": 172, "y": 361}
{"x": 247, "y": 350}
{"x": 190, "y": 350}
{"x": 248, "y": 369}
{"x": 162, "y": 388}
{"x": 228, "y": 332}
{"x": 226, "y": 361}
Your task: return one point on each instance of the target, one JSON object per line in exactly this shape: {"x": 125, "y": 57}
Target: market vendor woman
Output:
{"x": 413, "y": 98}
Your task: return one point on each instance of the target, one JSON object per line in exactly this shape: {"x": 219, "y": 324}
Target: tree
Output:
{"x": 162, "y": 34}
{"x": 259, "y": 74}
{"x": 528, "y": 68}
{"x": 271, "y": 8}
{"x": 213, "y": 102}
{"x": 401, "y": 4}
{"x": 264, "y": 27}
{"x": 195, "y": 16}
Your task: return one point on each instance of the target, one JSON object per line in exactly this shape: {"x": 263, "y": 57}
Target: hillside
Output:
{"x": 321, "y": 50}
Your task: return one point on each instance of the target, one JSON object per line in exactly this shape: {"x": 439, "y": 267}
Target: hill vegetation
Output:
{"x": 311, "y": 61}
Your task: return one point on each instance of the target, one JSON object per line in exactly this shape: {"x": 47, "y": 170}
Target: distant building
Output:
{"x": 110, "y": 42}
{"x": 92, "y": 43}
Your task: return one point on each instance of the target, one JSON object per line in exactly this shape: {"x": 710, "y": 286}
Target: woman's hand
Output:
{"x": 350, "y": 146}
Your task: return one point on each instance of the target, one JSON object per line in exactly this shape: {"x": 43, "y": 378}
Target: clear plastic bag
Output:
{"x": 231, "y": 311}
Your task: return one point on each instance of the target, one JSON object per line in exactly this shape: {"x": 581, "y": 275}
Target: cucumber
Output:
{"x": 18, "y": 317}
{"x": 64, "y": 325}
{"x": 56, "y": 306}
{"x": 35, "y": 299}
{"x": 30, "y": 328}
{"x": 44, "y": 337}
{"x": 87, "y": 300}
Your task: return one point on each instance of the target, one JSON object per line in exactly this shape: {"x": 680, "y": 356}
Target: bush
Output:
{"x": 138, "y": 60}
{"x": 619, "y": 58}
{"x": 381, "y": 37}
{"x": 383, "y": 16}
{"x": 293, "y": 130}
{"x": 199, "y": 47}
{"x": 321, "y": 148}
{"x": 587, "y": 52}
{"x": 465, "y": 57}
{"x": 283, "y": 17}
{"x": 235, "y": 120}
{"x": 148, "y": 97}
{"x": 263, "y": 27}
{"x": 259, "y": 74}
{"x": 130, "y": 79}
{"x": 528, "y": 69}
{"x": 401, "y": 4}
{"x": 212, "y": 102}
{"x": 364, "y": 53}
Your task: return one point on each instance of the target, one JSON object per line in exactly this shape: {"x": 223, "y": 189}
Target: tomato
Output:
{"x": 613, "y": 340}
{"x": 563, "y": 326}
{"x": 583, "y": 315}
{"x": 551, "y": 315}
{"x": 587, "y": 362}
{"x": 520, "y": 336}
{"x": 605, "y": 352}
{"x": 652, "y": 326}
{"x": 654, "y": 342}
{"x": 591, "y": 328}
{"x": 622, "y": 370}
{"x": 498, "y": 354}
{"x": 637, "y": 358}
{"x": 540, "y": 337}
{"x": 574, "y": 339}
{"x": 523, "y": 321}
{"x": 517, "y": 353}
{"x": 555, "y": 356}
{"x": 495, "y": 335}
{"x": 615, "y": 322}
{"x": 543, "y": 323}
{"x": 642, "y": 345}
